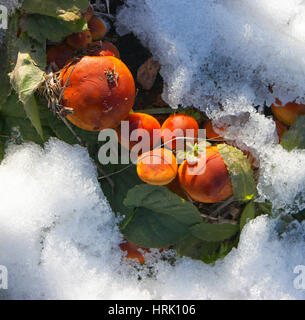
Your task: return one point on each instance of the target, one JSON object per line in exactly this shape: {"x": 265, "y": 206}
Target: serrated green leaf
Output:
{"x": 247, "y": 214}
{"x": 295, "y": 136}
{"x": 68, "y": 10}
{"x": 40, "y": 27}
{"x": 241, "y": 174}
{"x": 160, "y": 217}
{"x": 28, "y": 76}
{"x": 214, "y": 232}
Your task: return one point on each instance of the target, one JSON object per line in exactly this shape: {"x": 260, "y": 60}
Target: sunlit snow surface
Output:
{"x": 229, "y": 52}
{"x": 58, "y": 239}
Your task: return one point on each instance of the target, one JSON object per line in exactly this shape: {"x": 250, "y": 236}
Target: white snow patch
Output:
{"x": 59, "y": 240}
{"x": 214, "y": 51}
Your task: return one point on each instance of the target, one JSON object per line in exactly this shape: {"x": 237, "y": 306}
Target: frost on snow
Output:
{"x": 59, "y": 239}
{"x": 232, "y": 52}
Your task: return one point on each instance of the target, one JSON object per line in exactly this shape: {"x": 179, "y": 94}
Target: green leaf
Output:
{"x": 28, "y": 76}
{"x": 21, "y": 130}
{"x": 40, "y": 27}
{"x": 31, "y": 110}
{"x": 241, "y": 174}
{"x": 295, "y": 136}
{"x": 68, "y": 10}
{"x": 206, "y": 251}
{"x": 247, "y": 214}
{"x": 13, "y": 107}
{"x": 197, "y": 249}
{"x": 123, "y": 182}
{"x": 160, "y": 217}
{"x": 8, "y": 56}
{"x": 214, "y": 232}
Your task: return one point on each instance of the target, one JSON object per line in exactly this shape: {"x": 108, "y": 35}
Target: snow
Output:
{"x": 227, "y": 52}
{"x": 59, "y": 240}
{"x": 217, "y": 50}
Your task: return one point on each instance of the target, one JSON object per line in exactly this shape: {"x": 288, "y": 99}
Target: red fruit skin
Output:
{"x": 60, "y": 55}
{"x": 288, "y": 112}
{"x": 210, "y": 133}
{"x": 101, "y": 92}
{"x": 104, "y": 48}
{"x": 140, "y": 121}
{"x": 178, "y": 121}
{"x": 97, "y": 28}
{"x": 80, "y": 40}
{"x": 211, "y": 186}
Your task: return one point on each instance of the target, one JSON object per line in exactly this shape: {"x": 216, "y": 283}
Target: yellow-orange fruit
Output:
{"x": 103, "y": 48}
{"x": 100, "y": 91}
{"x": 210, "y": 185}
{"x": 288, "y": 112}
{"x": 97, "y": 27}
{"x": 157, "y": 167}
{"x": 80, "y": 40}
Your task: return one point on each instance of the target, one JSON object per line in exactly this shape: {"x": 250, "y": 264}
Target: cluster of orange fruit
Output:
{"x": 88, "y": 39}
{"x": 211, "y": 186}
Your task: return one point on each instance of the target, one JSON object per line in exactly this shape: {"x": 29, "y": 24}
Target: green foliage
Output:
{"x": 247, "y": 214}
{"x": 241, "y": 174}
{"x": 8, "y": 57}
{"x": 195, "y": 248}
{"x": 295, "y": 136}
{"x": 68, "y": 10}
{"x": 28, "y": 76}
{"x": 214, "y": 232}
{"x": 159, "y": 218}
{"x": 40, "y": 27}
{"x": 123, "y": 181}
{"x": 206, "y": 251}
